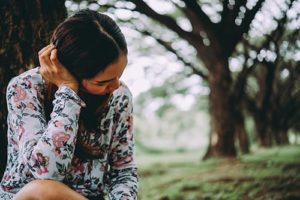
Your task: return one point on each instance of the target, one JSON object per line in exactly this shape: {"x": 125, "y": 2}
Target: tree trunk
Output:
{"x": 25, "y": 27}
{"x": 222, "y": 113}
{"x": 241, "y": 133}
{"x": 281, "y": 137}
{"x": 262, "y": 130}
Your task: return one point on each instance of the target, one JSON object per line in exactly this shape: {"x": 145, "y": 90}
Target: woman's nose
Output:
{"x": 114, "y": 85}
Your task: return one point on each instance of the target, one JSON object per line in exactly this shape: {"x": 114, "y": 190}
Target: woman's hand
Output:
{"x": 53, "y": 71}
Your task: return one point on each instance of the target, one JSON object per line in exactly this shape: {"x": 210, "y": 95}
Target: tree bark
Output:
{"x": 25, "y": 27}
{"x": 262, "y": 130}
{"x": 240, "y": 132}
{"x": 281, "y": 137}
{"x": 222, "y": 110}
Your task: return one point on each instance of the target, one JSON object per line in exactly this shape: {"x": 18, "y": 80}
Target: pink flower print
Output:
{"x": 79, "y": 168}
{"x": 12, "y": 141}
{"x": 20, "y": 94}
{"x": 58, "y": 124}
{"x": 125, "y": 197}
{"x": 123, "y": 161}
{"x": 7, "y": 188}
{"x": 57, "y": 152}
{"x": 42, "y": 170}
{"x": 21, "y": 131}
{"x": 6, "y": 178}
{"x": 31, "y": 106}
{"x": 29, "y": 83}
{"x": 59, "y": 139}
{"x": 18, "y": 105}
{"x": 103, "y": 168}
{"x": 42, "y": 162}
{"x": 77, "y": 165}
{"x": 130, "y": 124}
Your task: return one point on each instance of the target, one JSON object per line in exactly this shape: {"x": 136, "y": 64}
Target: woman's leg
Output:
{"x": 47, "y": 190}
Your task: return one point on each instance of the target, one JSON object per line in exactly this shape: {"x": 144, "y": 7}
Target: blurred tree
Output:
{"x": 216, "y": 27}
{"x": 274, "y": 114}
{"x": 275, "y": 105}
{"x": 25, "y": 27}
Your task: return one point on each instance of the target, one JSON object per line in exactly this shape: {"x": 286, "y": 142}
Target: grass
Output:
{"x": 264, "y": 174}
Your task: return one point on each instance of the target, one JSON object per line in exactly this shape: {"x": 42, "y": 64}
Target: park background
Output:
{"x": 215, "y": 85}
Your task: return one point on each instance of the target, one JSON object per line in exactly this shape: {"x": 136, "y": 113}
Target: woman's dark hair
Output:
{"x": 87, "y": 42}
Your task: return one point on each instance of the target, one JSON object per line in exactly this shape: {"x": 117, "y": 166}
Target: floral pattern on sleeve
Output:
{"x": 123, "y": 172}
{"x": 46, "y": 148}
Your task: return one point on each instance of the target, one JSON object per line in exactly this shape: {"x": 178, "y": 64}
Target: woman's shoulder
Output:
{"x": 31, "y": 76}
{"x": 30, "y": 81}
{"x": 122, "y": 97}
{"x": 123, "y": 90}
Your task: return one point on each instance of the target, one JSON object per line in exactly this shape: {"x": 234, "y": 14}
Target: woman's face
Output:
{"x": 105, "y": 81}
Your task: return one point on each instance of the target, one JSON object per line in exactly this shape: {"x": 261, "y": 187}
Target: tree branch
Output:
{"x": 202, "y": 17}
{"x": 225, "y": 12}
{"x": 201, "y": 22}
{"x": 196, "y": 26}
{"x": 275, "y": 36}
{"x": 249, "y": 16}
{"x": 229, "y": 30}
{"x": 168, "y": 46}
{"x": 236, "y": 8}
{"x": 168, "y": 21}
{"x": 229, "y": 14}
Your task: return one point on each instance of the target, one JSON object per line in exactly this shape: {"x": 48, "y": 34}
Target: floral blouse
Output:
{"x": 38, "y": 149}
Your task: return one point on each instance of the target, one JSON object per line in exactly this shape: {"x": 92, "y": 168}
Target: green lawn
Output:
{"x": 264, "y": 174}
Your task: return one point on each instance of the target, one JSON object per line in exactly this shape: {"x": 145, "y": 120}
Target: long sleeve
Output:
{"x": 123, "y": 170}
{"x": 45, "y": 148}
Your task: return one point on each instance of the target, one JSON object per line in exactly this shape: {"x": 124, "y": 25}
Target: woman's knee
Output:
{"x": 41, "y": 189}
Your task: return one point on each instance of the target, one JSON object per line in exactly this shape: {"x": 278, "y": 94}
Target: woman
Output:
{"x": 70, "y": 120}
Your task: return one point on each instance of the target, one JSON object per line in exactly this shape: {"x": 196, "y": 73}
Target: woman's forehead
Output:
{"x": 113, "y": 70}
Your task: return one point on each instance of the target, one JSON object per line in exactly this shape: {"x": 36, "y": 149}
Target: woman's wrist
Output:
{"x": 68, "y": 92}
{"x": 74, "y": 87}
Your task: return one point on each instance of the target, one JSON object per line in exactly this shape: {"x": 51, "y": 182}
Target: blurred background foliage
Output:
{"x": 209, "y": 68}
{"x": 219, "y": 79}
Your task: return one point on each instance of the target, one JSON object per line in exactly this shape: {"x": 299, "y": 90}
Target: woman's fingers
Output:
{"x": 45, "y": 52}
{"x": 44, "y": 49}
{"x": 54, "y": 59}
{"x": 53, "y": 71}
{"x": 44, "y": 58}
{"x": 45, "y": 63}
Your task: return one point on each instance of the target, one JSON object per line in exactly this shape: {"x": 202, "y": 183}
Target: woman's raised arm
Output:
{"x": 45, "y": 147}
